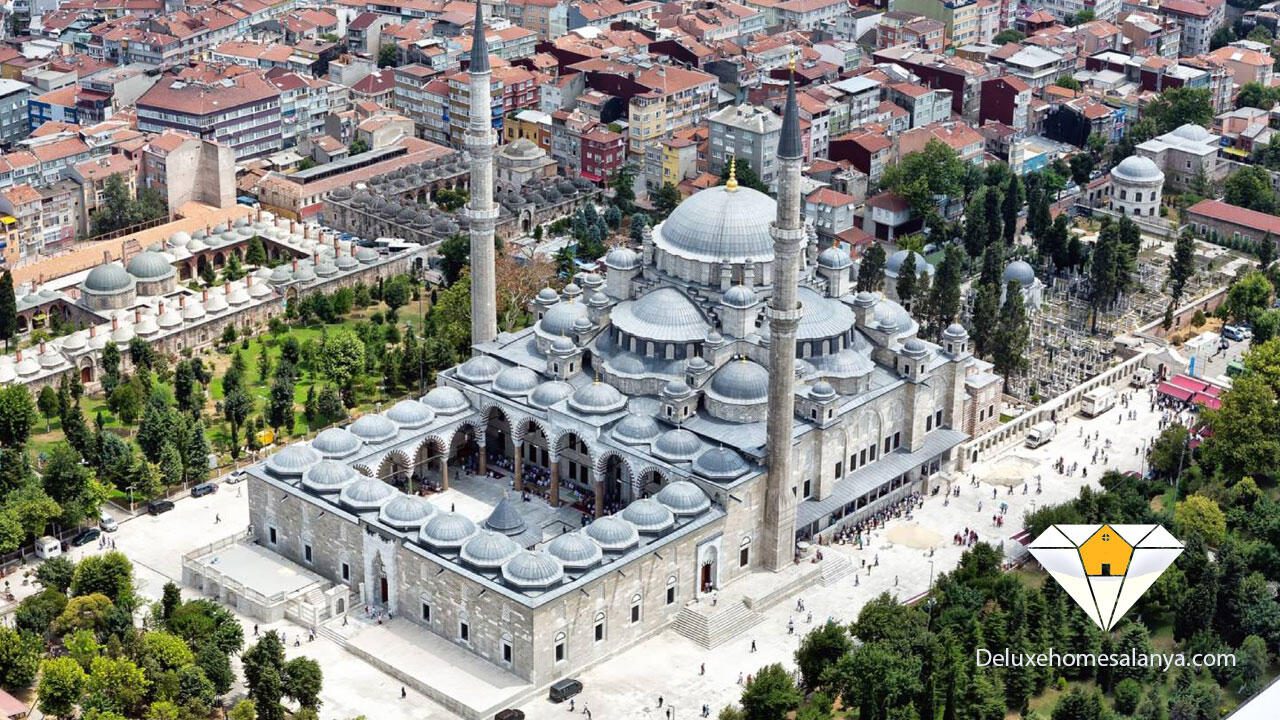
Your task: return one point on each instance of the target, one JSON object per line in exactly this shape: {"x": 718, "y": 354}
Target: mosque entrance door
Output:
{"x": 382, "y": 589}
{"x": 706, "y": 577}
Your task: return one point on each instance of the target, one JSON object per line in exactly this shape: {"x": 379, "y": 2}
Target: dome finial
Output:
{"x": 732, "y": 183}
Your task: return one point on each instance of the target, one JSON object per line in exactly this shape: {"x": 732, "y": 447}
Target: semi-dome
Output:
{"x": 597, "y": 398}
{"x": 292, "y": 461}
{"x": 575, "y": 551}
{"x": 150, "y": 265}
{"x": 336, "y": 443}
{"x": 744, "y": 381}
{"x": 649, "y": 516}
{"x": 1019, "y": 271}
{"x": 622, "y": 258}
{"x": 740, "y": 296}
{"x": 107, "y": 278}
{"x": 560, "y": 318}
{"x": 719, "y": 224}
{"x": 410, "y": 414}
{"x": 515, "y": 381}
{"x": 613, "y": 534}
{"x": 720, "y": 464}
{"x": 479, "y": 370}
{"x": 446, "y": 400}
{"x": 373, "y": 428}
{"x": 677, "y": 445}
{"x": 834, "y": 258}
{"x": 663, "y": 314}
{"x": 329, "y": 476}
{"x": 366, "y": 494}
{"x": 1136, "y": 168}
{"x": 406, "y": 512}
{"x": 505, "y": 518}
{"x": 683, "y": 498}
{"x": 637, "y": 429}
{"x": 488, "y": 550}
{"x": 895, "y": 261}
{"x": 549, "y": 393}
{"x": 532, "y": 569}
{"x": 447, "y": 530}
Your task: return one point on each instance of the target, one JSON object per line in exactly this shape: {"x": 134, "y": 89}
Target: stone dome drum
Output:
{"x": 740, "y": 296}
{"x": 447, "y": 530}
{"x": 366, "y": 494}
{"x": 488, "y": 550}
{"x": 373, "y": 428}
{"x": 622, "y": 258}
{"x": 406, "y": 512}
{"x": 410, "y": 414}
{"x": 575, "y": 551}
{"x": 329, "y": 476}
{"x": 720, "y": 224}
{"x": 292, "y": 461}
{"x": 532, "y": 569}
{"x": 613, "y": 534}
{"x": 683, "y": 498}
{"x": 560, "y": 318}
{"x": 649, "y": 516}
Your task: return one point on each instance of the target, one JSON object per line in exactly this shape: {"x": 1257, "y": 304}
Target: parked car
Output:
{"x": 564, "y": 689}
{"x": 86, "y": 536}
{"x": 234, "y": 477}
{"x": 106, "y": 523}
{"x": 1231, "y": 332}
{"x": 509, "y": 714}
{"x": 204, "y": 489}
{"x": 155, "y": 507}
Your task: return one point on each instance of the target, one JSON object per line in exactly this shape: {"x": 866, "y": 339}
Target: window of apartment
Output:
{"x": 635, "y": 608}
{"x": 346, "y": 572}
{"x": 464, "y": 632}
{"x": 271, "y": 535}
{"x": 598, "y": 631}
{"x": 306, "y": 552}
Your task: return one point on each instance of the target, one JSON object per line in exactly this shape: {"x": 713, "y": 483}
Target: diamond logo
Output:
{"x": 1105, "y": 568}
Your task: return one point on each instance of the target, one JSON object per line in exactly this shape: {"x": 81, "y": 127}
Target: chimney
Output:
{"x": 115, "y": 323}
{"x": 227, "y": 288}
{"x": 182, "y": 302}
{"x": 41, "y": 347}
{"x": 257, "y": 215}
{"x": 295, "y": 264}
{"x": 248, "y": 281}
{"x": 137, "y": 315}
{"x": 293, "y": 226}
{"x": 204, "y": 296}
{"x": 306, "y": 231}
{"x": 161, "y": 308}
{"x": 19, "y": 356}
{"x": 93, "y": 331}
{"x": 106, "y": 256}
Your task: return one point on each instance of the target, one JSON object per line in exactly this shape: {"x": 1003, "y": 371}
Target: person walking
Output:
{"x": 753, "y": 642}
{"x": 703, "y": 669}
{"x": 660, "y": 702}
{"x": 403, "y": 694}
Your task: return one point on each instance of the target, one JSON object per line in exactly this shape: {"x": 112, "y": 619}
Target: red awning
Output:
{"x": 1174, "y": 391}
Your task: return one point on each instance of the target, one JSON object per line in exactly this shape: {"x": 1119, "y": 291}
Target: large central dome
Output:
{"x": 719, "y": 224}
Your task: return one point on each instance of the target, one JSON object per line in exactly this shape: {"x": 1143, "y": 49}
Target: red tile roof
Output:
{"x": 1236, "y": 215}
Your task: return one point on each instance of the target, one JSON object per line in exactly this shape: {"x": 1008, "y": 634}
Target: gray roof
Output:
{"x": 292, "y": 461}
{"x": 479, "y": 45}
{"x": 410, "y": 414}
{"x": 479, "y": 369}
{"x": 446, "y": 400}
{"x": 515, "y": 381}
{"x": 406, "y": 511}
{"x": 1137, "y": 168}
{"x": 597, "y": 398}
{"x": 613, "y": 534}
{"x": 718, "y": 224}
{"x": 637, "y": 429}
{"x": 559, "y": 318}
{"x": 505, "y": 518}
{"x": 719, "y": 464}
{"x": 107, "y": 278}
{"x": 1021, "y": 272}
{"x": 532, "y": 569}
{"x": 789, "y": 143}
{"x": 549, "y": 393}
{"x": 677, "y": 445}
{"x": 664, "y": 314}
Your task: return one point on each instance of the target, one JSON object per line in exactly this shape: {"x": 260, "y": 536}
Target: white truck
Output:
{"x": 1041, "y": 433}
{"x": 1141, "y": 377}
{"x": 1098, "y": 400}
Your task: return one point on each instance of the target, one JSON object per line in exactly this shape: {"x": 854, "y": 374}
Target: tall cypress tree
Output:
{"x": 995, "y": 224}
{"x": 1012, "y": 334}
{"x": 871, "y": 269}
{"x": 1010, "y": 207}
{"x": 8, "y": 309}
{"x": 907, "y": 280}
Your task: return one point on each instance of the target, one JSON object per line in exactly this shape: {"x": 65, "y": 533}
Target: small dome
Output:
{"x": 180, "y": 239}
{"x": 677, "y": 389}
{"x": 597, "y": 398}
{"x": 75, "y": 341}
{"x": 955, "y": 331}
{"x": 622, "y": 258}
{"x": 479, "y": 370}
{"x": 29, "y": 366}
{"x": 217, "y": 303}
{"x": 446, "y": 400}
{"x": 549, "y": 393}
{"x": 171, "y": 318}
{"x": 366, "y": 494}
{"x": 697, "y": 363}
{"x": 572, "y": 290}
{"x": 743, "y": 381}
{"x": 598, "y": 299}
{"x": 532, "y": 569}
{"x": 740, "y": 296}
{"x": 677, "y": 445}
{"x": 373, "y": 428}
{"x": 563, "y": 345}
{"x": 649, "y": 516}
{"x": 683, "y": 498}
{"x": 292, "y": 461}
{"x": 447, "y": 530}
{"x": 329, "y": 476}
{"x": 488, "y": 550}
{"x": 150, "y": 265}
{"x": 822, "y": 390}
{"x": 637, "y": 429}
{"x": 613, "y": 534}
{"x": 336, "y": 443}
{"x": 366, "y": 255}
{"x": 1136, "y": 168}
{"x": 192, "y": 310}
{"x": 515, "y": 381}
{"x": 281, "y": 275}
{"x": 720, "y": 464}
{"x": 1192, "y": 132}
{"x": 560, "y": 318}
{"x": 548, "y": 296}
{"x": 50, "y": 358}
{"x": 834, "y": 258}
{"x": 108, "y": 278}
{"x": 575, "y": 551}
{"x": 410, "y": 414}
{"x": 505, "y": 518}
{"x": 406, "y": 512}
{"x": 895, "y": 261}
{"x": 915, "y": 347}
{"x": 1020, "y": 272}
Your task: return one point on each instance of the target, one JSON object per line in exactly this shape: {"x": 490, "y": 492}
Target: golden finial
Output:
{"x": 792, "y": 63}
{"x": 732, "y": 183}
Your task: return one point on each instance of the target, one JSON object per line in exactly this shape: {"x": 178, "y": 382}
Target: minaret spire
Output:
{"x": 784, "y": 314}
{"x": 479, "y": 140}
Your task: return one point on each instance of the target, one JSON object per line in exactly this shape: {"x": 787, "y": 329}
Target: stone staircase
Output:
{"x": 710, "y": 626}
{"x": 835, "y": 567}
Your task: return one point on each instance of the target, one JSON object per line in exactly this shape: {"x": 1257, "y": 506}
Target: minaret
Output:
{"x": 784, "y": 315}
{"x": 479, "y": 140}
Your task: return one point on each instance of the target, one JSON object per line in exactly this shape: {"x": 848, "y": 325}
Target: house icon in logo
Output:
{"x": 1106, "y": 554}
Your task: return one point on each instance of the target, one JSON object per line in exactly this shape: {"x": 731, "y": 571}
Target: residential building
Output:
{"x": 1249, "y": 62}
{"x": 549, "y": 19}
{"x": 14, "y": 97}
{"x": 925, "y": 105}
{"x": 867, "y": 151}
{"x": 184, "y": 168}
{"x": 961, "y": 18}
{"x": 22, "y": 203}
{"x": 676, "y": 98}
{"x": 242, "y": 112}
{"x": 603, "y": 152}
{"x": 832, "y": 213}
{"x": 1148, "y": 33}
{"x": 1036, "y": 66}
{"x": 747, "y": 133}
{"x": 1006, "y": 100}
{"x": 531, "y": 125}
{"x": 1064, "y": 10}
{"x": 1199, "y": 20}
{"x": 899, "y": 27}
{"x": 670, "y": 161}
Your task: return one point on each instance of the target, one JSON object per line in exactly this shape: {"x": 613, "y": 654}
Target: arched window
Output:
{"x": 598, "y": 629}
{"x": 561, "y": 652}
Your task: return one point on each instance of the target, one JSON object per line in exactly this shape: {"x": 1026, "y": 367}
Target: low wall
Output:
{"x": 1182, "y": 316}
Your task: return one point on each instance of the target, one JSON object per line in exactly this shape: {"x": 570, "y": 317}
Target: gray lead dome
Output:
{"x": 406, "y": 512}
{"x": 718, "y": 224}
{"x": 720, "y": 464}
{"x": 683, "y": 498}
{"x": 575, "y": 551}
{"x": 373, "y": 428}
{"x": 648, "y": 516}
{"x": 741, "y": 381}
{"x": 447, "y": 530}
{"x": 488, "y": 550}
{"x": 613, "y": 534}
{"x": 292, "y": 461}
{"x": 446, "y": 400}
{"x": 367, "y": 494}
{"x": 336, "y": 443}
{"x": 532, "y": 569}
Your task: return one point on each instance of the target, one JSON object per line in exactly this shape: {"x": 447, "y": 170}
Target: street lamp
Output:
{"x": 130, "y": 489}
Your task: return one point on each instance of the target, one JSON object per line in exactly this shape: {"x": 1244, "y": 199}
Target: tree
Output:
{"x": 280, "y": 404}
{"x": 17, "y": 416}
{"x": 243, "y": 710}
{"x": 125, "y": 403}
{"x": 1253, "y": 660}
{"x": 48, "y": 404}
{"x": 455, "y": 254}
{"x": 62, "y": 683}
{"x": 1081, "y": 169}
{"x": 71, "y": 485}
{"x": 358, "y": 146}
{"x": 770, "y": 695}
{"x": 744, "y": 173}
{"x": 109, "y": 574}
{"x": 396, "y": 293}
{"x": 302, "y": 681}
{"x": 170, "y": 599}
{"x": 1247, "y": 297}
{"x": 195, "y": 454}
{"x": 921, "y": 176}
{"x": 1250, "y": 187}
{"x": 1011, "y": 205}
{"x": 56, "y": 573}
{"x": 343, "y": 358}
{"x": 216, "y": 666}
{"x": 1182, "y": 267}
{"x": 1179, "y": 106}
{"x": 871, "y": 269}
{"x": 1012, "y": 334}
{"x": 985, "y": 319}
{"x": 975, "y": 223}
{"x": 1078, "y": 704}
{"x": 907, "y": 280}
{"x": 236, "y": 407}
{"x": 1068, "y": 82}
{"x": 116, "y": 210}
{"x": 1200, "y": 516}
{"x": 388, "y": 56}
{"x": 115, "y": 685}
{"x": 1266, "y": 325}
{"x": 622, "y": 183}
{"x": 256, "y": 252}
{"x": 666, "y": 199}
{"x": 875, "y": 677}
{"x": 1005, "y": 37}
{"x": 1255, "y": 95}
{"x": 19, "y": 658}
{"x": 264, "y": 665}
{"x": 819, "y": 649}
{"x": 944, "y": 295}
{"x": 8, "y": 309}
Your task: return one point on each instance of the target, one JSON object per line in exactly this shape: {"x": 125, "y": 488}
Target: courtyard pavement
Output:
{"x": 669, "y": 665}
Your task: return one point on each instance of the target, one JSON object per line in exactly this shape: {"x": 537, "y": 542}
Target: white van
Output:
{"x": 1041, "y": 433}
{"x": 106, "y": 523}
{"x": 1098, "y": 400}
{"x": 48, "y": 547}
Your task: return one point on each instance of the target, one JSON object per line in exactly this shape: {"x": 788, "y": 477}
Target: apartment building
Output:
{"x": 749, "y": 134}
{"x": 548, "y": 19}
{"x": 677, "y": 98}
{"x": 242, "y": 112}
{"x": 960, "y": 18}
{"x": 1198, "y": 18}
{"x": 14, "y": 96}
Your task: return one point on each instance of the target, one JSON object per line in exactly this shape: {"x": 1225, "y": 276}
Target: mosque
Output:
{"x": 661, "y": 432}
